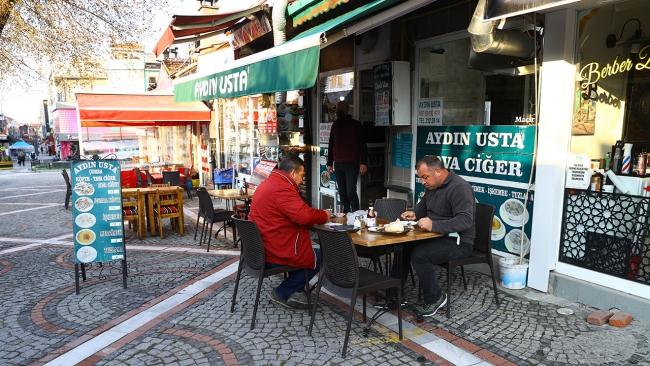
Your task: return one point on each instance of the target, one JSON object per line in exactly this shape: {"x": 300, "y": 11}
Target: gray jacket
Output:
{"x": 451, "y": 207}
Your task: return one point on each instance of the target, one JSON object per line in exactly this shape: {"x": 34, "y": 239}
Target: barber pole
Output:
{"x": 626, "y": 164}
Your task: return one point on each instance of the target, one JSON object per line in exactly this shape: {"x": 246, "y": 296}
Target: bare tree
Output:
{"x": 67, "y": 36}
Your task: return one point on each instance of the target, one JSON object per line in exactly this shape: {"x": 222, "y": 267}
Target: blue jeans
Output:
{"x": 346, "y": 180}
{"x": 296, "y": 280}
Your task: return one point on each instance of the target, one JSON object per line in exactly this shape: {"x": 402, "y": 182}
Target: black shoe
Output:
{"x": 431, "y": 309}
{"x": 382, "y": 304}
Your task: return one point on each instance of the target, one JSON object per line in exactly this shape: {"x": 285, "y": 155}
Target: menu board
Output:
{"x": 327, "y": 180}
{"x": 97, "y": 211}
{"x": 263, "y": 170}
{"x": 402, "y": 150}
{"x": 383, "y": 85}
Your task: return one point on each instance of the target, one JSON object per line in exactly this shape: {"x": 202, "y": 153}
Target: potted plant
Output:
{"x": 6, "y": 163}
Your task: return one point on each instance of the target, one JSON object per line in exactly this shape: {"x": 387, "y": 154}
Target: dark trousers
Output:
{"x": 296, "y": 279}
{"x": 424, "y": 256}
{"x": 346, "y": 180}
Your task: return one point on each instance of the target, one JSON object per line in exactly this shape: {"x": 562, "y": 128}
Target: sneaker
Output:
{"x": 273, "y": 296}
{"x": 430, "y": 309}
{"x": 382, "y": 304}
{"x": 298, "y": 300}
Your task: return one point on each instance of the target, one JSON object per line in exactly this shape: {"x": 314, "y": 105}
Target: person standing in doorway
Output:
{"x": 348, "y": 155}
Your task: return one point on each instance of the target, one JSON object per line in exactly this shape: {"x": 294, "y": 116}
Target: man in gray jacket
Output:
{"x": 448, "y": 207}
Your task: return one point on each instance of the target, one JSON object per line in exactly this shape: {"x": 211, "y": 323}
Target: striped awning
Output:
{"x": 302, "y": 11}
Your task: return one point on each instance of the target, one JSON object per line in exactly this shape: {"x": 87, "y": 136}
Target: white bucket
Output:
{"x": 513, "y": 275}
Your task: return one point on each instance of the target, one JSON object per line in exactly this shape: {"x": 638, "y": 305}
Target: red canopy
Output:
{"x": 194, "y": 25}
{"x": 150, "y": 109}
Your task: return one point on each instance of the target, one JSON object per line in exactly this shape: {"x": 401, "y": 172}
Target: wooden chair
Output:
{"x": 253, "y": 261}
{"x": 341, "y": 275}
{"x": 482, "y": 252}
{"x": 169, "y": 206}
{"x": 133, "y": 210}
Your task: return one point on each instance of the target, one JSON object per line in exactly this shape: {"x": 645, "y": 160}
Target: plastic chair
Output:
{"x": 138, "y": 177}
{"x": 341, "y": 275}
{"x": 172, "y": 177}
{"x": 253, "y": 261}
{"x": 210, "y": 216}
{"x": 184, "y": 182}
{"x": 149, "y": 180}
{"x": 68, "y": 192}
{"x": 482, "y": 252}
{"x": 388, "y": 209}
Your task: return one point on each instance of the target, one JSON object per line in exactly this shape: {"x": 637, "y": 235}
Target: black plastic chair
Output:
{"x": 388, "y": 209}
{"x": 172, "y": 177}
{"x": 183, "y": 182}
{"x": 482, "y": 252}
{"x": 210, "y": 216}
{"x": 68, "y": 192}
{"x": 341, "y": 275}
{"x": 253, "y": 261}
{"x": 138, "y": 177}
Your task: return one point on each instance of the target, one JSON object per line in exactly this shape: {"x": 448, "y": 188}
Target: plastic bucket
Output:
{"x": 513, "y": 275}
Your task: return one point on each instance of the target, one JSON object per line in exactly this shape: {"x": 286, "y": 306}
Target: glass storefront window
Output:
{"x": 470, "y": 96}
{"x": 336, "y": 88}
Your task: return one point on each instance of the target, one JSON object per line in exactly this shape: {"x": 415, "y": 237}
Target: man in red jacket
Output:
{"x": 283, "y": 219}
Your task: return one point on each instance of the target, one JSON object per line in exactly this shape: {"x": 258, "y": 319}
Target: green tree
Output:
{"x": 68, "y": 36}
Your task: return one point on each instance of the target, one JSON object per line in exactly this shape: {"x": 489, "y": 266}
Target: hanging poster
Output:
{"x": 97, "y": 211}
{"x": 430, "y": 112}
{"x": 383, "y": 85}
{"x": 402, "y": 150}
{"x": 327, "y": 180}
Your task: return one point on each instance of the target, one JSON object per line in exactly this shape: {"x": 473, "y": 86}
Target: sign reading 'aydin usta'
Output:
{"x": 291, "y": 71}
{"x": 496, "y": 152}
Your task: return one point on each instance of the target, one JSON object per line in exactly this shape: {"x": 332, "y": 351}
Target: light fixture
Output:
{"x": 635, "y": 42}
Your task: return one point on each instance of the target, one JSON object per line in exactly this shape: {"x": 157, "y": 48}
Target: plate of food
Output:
{"x": 86, "y": 254}
{"x": 513, "y": 242}
{"x": 83, "y": 204}
{"x": 86, "y": 237}
{"x": 382, "y": 230}
{"x": 325, "y": 178}
{"x": 283, "y": 124}
{"x": 283, "y": 109}
{"x": 85, "y": 220}
{"x": 84, "y": 189}
{"x": 348, "y": 228}
{"x": 498, "y": 229}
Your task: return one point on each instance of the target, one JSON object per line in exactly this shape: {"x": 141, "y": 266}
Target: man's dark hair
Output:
{"x": 431, "y": 161}
{"x": 290, "y": 163}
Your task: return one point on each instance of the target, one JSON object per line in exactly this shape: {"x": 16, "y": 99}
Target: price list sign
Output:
{"x": 97, "y": 211}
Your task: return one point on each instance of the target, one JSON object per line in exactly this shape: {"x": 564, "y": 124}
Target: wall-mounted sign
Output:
{"x": 430, "y": 112}
{"x": 324, "y": 133}
{"x": 97, "y": 211}
{"x": 402, "y": 150}
{"x": 383, "y": 86}
{"x": 327, "y": 180}
{"x": 577, "y": 171}
{"x": 591, "y": 73}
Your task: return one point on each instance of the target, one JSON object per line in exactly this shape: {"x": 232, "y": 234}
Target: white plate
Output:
{"x": 86, "y": 254}
{"x": 85, "y": 220}
{"x": 84, "y": 204}
{"x": 84, "y": 189}
{"x": 82, "y": 234}
{"x": 512, "y": 223}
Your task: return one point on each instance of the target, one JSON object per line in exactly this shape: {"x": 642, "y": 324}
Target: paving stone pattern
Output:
{"x": 41, "y": 313}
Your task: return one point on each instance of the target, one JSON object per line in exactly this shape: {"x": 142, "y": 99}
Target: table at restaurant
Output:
{"x": 157, "y": 178}
{"x": 130, "y": 179}
{"x": 393, "y": 244}
{"x": 232, "y": 195}
{"x": 148, "y": 203}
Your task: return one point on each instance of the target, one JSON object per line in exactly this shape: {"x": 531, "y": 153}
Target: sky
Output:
{"x": 24, "y": 106}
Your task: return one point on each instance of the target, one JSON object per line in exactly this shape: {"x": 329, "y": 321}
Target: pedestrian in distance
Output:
{"x": 284, "y": 219}
{"x": 21, "y": 158}
{"x": 347, "y": 155}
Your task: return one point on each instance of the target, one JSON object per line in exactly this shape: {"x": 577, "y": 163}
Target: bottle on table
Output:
{"x": 596, "y": 180}
{"x": 245, "y": 186}
{"x": 608, "y": 158}
{"x": 372, "y": 215}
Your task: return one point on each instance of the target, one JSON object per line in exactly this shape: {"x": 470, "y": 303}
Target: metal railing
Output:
{"x": 607, "y": 233}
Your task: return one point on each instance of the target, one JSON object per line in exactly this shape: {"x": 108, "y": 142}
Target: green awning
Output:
{"x": 305, "y": 10}
{"x": 290, "y": 66}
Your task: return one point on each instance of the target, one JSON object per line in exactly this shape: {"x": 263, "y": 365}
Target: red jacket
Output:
{"x": 283, "y": 217}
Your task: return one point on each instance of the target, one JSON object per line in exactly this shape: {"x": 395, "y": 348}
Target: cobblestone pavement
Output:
{"x": 176, "y": 308}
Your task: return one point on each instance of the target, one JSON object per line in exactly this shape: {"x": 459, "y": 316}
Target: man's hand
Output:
{"x": 409, "y": 215}
{"x": 425, "y": 223}
{"x": 363, "y": 168}
{"x": 330, "y": 169}
{"x": 329, "y": 212}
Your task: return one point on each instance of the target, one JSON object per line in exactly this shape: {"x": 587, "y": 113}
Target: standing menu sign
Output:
{"x": 383, "y": 85}
{"x": 97, "y": 212}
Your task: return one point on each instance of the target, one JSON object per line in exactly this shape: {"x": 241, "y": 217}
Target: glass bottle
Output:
{"x": 245, "y": 186}
{"x": 596, "y": 179}
{"x": 372, "y": 215}
{"x": 608, "y": 158}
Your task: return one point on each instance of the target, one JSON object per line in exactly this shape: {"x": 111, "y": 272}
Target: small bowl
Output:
{"x": 510, "y": 205}
{"x": 339, "y": 214}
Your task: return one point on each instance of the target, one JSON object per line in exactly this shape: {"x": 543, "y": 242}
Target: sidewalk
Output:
{"x": 176, "y": 309}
